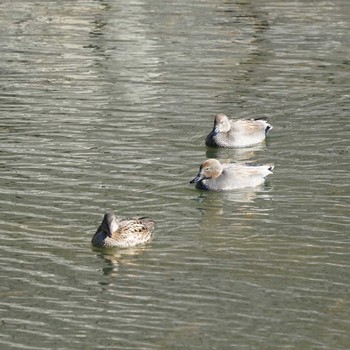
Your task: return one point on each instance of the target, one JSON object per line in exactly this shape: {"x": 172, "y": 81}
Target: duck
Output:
{"x": 122, "y": 233}
{"x": 237, "y": 133}
{"x": 214, "y": 176}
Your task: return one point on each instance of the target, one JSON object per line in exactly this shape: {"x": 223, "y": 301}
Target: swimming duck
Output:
{"x": 123, "y": 233}
{"x": 237, "y": 133}
{"x": 214, "y": 176}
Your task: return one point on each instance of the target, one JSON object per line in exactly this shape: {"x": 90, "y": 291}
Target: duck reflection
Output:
{"x": 235, "y": 154}
{"x": 245, "y": 195}
{"x": 215, "y": 205}
{"x": 230, "y": 214}
{"x": 115, "y": 258}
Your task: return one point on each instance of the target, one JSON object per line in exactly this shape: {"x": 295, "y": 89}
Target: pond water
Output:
{"x": 105, "y": 105}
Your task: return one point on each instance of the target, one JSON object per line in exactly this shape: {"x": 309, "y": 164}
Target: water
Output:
{"x": 105, "y": 106}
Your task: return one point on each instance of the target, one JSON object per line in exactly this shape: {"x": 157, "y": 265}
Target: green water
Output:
{"x": 105, "y": 106}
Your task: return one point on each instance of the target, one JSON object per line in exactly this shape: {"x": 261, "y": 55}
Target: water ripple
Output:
{"x": 106, "y": 107}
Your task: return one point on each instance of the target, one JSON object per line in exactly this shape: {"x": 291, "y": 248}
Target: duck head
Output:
{"x": 221, "y": 124}
{"x": 209, "y": 169}
{"x": 109, "y": 224}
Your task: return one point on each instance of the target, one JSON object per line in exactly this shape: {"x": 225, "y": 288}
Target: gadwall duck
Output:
{"x": 237, "y": 133}
{"x": 214, "y": 176}
{"x": 123, "y": 233}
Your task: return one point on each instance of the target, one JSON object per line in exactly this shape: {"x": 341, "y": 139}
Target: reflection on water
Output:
{"x": 241, "y": 196}
{"x": 231, "y": 155}
{"x": 105, "y": 105}
{"x": 116, "y": 258}
{"x": 232, "y": 211}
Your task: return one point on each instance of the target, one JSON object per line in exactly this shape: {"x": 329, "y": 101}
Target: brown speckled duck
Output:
{"x": 122, "y": 233}
{"x": 237, "y": 133}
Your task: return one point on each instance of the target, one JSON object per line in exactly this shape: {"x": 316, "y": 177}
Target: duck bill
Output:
{"x": 215, "y": 131}
{"x": 196, "y": 179}
{"x": 109, "y": 224}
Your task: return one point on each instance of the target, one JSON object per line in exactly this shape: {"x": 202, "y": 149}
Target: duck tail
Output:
{"x": 268, "y": 128}
{"x": 270, "y": 167}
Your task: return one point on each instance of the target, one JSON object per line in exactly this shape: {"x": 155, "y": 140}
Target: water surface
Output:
{"x": 106, "y": 106}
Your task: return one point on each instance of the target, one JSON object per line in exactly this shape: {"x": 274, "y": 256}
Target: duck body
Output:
{"x": 122, "y": 233}
{"x": 214, "y": 176}
{"x": 237, "y": 133}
